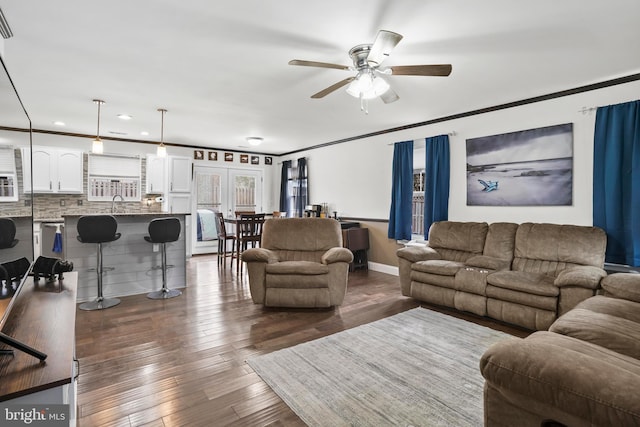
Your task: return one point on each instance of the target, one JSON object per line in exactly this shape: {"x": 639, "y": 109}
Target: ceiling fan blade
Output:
{"x": 389, "y": 96}
{"x": 382, "y": 46}
{"x": 317, "y": 64}
{"x": 332, "y": 88}
{"x": 421, "y": 70}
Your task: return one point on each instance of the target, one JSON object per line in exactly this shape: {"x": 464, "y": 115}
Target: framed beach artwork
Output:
{"x": 526, "y": 168}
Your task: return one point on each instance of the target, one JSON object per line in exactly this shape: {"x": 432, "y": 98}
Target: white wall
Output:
{"x": 355, "y": 177}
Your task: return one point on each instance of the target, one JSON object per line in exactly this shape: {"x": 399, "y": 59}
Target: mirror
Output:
{"x": 16, "y": 211}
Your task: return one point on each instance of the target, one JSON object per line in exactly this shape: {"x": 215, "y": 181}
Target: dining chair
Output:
{"x": 223, "y": 238}
{"x": 238, "y": 213}
{"x": 248, "y": 231}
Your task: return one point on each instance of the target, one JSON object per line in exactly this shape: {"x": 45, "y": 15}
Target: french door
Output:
{"x": 221, "y": 190}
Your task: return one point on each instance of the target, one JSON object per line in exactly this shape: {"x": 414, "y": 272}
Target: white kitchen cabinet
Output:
{"x": 179, "y": 174}
{"x": 156, "y": 174}
{"x": 54, "y": 170}
{"x": 179, "y": 203}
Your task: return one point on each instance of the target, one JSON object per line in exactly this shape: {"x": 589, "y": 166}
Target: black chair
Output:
{"x": 98, "y": 229}
{"x": 163, "y": 231}
{"x": 248, "y": 231}
{"x": 7, "y": 233}
{"x": 223, "y": 238}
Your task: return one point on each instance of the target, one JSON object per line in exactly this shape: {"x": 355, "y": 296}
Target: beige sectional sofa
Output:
{"x": 584, "y": 371}
{"x": 525, "y": 274}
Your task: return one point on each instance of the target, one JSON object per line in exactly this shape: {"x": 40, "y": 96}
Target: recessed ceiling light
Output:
{"x": 59, "y": 123}
{"x": 144, "y": 133}
{"x": 124, "y": 117}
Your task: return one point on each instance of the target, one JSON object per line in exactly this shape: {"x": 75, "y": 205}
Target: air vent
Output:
{"x": 5, "y": 30}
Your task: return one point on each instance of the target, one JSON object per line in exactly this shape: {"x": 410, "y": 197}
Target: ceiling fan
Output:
{"x": 368, "y": 83}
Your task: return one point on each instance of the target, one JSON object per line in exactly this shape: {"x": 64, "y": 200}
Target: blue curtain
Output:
{"x": 436, "y": 181}
{"x": 302, "y": 199}
{"x": 401, "y": 191}
{"x": 284, "y": 187}
{"x": 616, "y": 180}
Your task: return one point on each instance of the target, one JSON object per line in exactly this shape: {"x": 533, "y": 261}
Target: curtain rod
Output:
{"x": 587, "y": 110}
{"x": 452, "y": 133}
{"x": 307, "y": 158}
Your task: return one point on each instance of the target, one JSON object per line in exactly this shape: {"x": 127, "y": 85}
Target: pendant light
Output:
{"x": 162, "y": 150}
{"x": 96, "y": 146}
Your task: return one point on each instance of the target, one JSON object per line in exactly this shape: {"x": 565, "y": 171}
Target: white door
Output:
{"x": 221, "y": 190}
{"x": 209, "y": 196}
{"x": 245, "y": 190}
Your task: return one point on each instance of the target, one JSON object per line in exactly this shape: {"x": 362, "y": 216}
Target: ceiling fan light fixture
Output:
{"x": 254, "y": 140}
{"x": 367, "y": 86}
{"x": 97, "y": 147}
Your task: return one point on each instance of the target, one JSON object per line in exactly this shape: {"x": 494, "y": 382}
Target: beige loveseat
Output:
{"x": 584, "y": 371}
{"x": 300, "y": 263}
{"x": 525, "y": 274}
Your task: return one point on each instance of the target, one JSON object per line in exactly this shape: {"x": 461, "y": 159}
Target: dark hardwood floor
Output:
{"x": 181, "y": 362}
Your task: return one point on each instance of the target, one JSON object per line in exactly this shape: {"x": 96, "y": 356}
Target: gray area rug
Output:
{"x": 417, "y": 368}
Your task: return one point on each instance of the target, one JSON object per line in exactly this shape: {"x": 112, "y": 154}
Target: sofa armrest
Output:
{"x": 337, "y": 254}
{"x": 259, "y": 255}
{"x": 417, "y": 253}
{"x": 564, "y": 379}
{"x": 622, "y": 285}
{"x": 488, "y": 262}
{"x": 584, "y": 276}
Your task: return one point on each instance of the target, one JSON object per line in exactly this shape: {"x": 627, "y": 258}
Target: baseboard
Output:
{"x": 384, "y": 268}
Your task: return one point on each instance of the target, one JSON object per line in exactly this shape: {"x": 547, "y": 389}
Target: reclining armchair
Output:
{"x": 300, "y": 263}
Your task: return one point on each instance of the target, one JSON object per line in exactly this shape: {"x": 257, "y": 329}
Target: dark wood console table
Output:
{"x": 43, "y": 316}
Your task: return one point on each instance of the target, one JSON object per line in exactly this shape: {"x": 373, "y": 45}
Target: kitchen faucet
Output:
{"x": 113, "y": 202}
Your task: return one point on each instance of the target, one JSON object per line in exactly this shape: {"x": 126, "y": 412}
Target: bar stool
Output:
{"x": 163, "y": 231}
{"x": 7, "y": 233}
{"x": 98, "y": 229}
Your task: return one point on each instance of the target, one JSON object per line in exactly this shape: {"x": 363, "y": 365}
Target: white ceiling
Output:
{"x": 220, "y": 68}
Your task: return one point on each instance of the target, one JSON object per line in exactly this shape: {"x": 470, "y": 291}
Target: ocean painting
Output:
{"x": 527, "y": 168}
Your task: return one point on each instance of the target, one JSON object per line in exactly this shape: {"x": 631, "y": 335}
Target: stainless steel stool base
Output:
{"x": 100, "y": 304}
{"x": 164, "y": 294}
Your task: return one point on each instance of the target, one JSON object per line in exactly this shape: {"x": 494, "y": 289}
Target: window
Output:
{"x": 294, "y": 191}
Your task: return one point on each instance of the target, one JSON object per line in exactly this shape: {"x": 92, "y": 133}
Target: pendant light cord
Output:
{"x": 99, "y": 102}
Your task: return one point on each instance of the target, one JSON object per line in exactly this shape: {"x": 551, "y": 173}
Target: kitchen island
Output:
{"x": 135, "y": 262}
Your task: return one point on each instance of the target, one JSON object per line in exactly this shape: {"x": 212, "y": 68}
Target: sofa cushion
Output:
{"x": 438, "y": 266}
{"x": 488, "y": 262}
{"x": 296, "y": 281}
{"x": 526, "y": 299}
{"x": 530, "y": 283}
{"x": 297, "y": 267}
{"x": 622, "y": 285}
{"x": 564, "y": 244}
{"x": 608, "y": 322}
{"x": 500, "y": 240}
{"x": 301, "y": 234}
{"x": 459, "y": 236}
